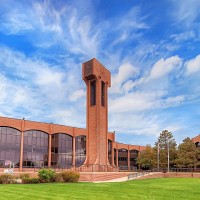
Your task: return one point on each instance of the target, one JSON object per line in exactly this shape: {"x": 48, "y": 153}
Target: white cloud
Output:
{"x": 174, "y": 100}
{"x": 181, "y": 37}
{"x": 125, "y": 72}
{"x": 131, "y": 102}
{"x": 143, "y": 101}
{"x": 164, "y": 67}
{"x": 193, "y": 65}
{"x": 140, "y": 124}
{"x": 2, "y": 88}
{"x": 160, "y": 69}
{"x": 36, "y": 87}
{"x": 133, "y": 19}
{"x": 17, "y": 22}
{"x": 185, "y": 11}
{"x": 58, "y": 26}
{"x": 77, "y": 95}
{"x": 144, "y": 124}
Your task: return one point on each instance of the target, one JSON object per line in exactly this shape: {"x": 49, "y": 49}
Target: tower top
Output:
{"x": 94, "y": 69}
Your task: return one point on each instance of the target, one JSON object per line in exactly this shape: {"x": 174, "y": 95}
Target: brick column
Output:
{"x": 139, "y": 155}
{"x": 49, "y": 152}
{"x": 117, "y": 157}
{"x": 106, "y": 124}
{"x": 128, "y": 158}
{"x": 74, "y": 151}
{"x": 112, "y": 163}
{"x": 21, "y": 145}
{"x": 97, "y": 79}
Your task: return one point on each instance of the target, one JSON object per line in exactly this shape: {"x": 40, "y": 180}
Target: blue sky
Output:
{"x": 152, "y": 49}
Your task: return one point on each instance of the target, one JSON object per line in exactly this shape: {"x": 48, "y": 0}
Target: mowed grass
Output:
{"x": 149, "y": 189}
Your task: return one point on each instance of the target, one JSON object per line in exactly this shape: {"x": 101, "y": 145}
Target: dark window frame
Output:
{"x": 80, "y": 150}
{"x": 123, "y": 157}
{"x": 9, "y": 146}
{"x": 61, "y": 150}
{"x": 36, "y": 149}
{"x": 110, "y": 151}
{"x": 92, "y": 92}
{"x": 103, "y": 86}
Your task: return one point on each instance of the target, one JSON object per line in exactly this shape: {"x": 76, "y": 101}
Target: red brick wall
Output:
{"x": 196, "y": 139}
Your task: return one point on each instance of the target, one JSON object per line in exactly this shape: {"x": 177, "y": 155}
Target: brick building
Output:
{"x": 27, "y": 144}
{"x": 196, "y": 140}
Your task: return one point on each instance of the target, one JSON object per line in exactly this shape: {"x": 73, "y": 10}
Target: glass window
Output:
{"x": 35, "y": 153}
{"x": 61, "y": 150}
{"x": 115, "y": 157}
{"x": 133, "y": 159}
{"x": 110, "y": 151}
{"x": 80, "y": 150}
{"x": 123, "y": 159}
{"x": 10, "y": 147}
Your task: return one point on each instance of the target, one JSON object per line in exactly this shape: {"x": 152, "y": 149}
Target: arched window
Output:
{"x": 35, "y": 153}
{"x": 80, "y": 150}
{"x": 61, "y": 150}
{"x": 9, "y": 147}
{"x": 110, "y": 151}
{"x": 133, "y": 159}
{"x": 123, "y": 159}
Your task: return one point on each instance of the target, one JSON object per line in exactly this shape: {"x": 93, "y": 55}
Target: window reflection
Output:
{"x": 133, "y": 159}
{"x": 10, "y": 147}
{"x": 115, "y": 157}
{"x": 61, "y": 150}
{"x": 123, "y": 159}
{"x": 80, "y": 150}
{"x": 110, "y": 151}
{"x": 35, "y": 153}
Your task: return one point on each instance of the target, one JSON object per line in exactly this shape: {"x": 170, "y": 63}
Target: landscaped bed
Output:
{"x": 149, "y": 189}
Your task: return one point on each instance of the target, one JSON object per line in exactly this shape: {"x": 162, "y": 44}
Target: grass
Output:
{"x": 149, "y": 189}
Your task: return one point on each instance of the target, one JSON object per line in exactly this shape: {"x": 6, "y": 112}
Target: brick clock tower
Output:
{"x": 97, "y": 79}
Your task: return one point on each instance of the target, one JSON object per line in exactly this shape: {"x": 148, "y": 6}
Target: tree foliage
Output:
{"x": 166, "y": 138}
{"x": 187, "y": 156}
{"x": 147, "y": 158}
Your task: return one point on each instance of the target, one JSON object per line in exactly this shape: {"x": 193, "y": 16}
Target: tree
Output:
{"x": 198, "y": 157}
{"x": 166, "y": 140}
{"x": 187, "y": 156}
{"x": 147, "y": 158}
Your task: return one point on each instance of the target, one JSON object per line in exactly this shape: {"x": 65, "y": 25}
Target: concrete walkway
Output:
{"x": 123, "y": 179}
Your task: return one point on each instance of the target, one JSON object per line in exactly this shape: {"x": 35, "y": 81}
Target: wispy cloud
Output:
{"x": 181, "y": 37}
{"x": 193, "y": 65}
{"x": 164, "y": 67}
{"x": 36, "y": 88}
{"x": 186, "y": 12}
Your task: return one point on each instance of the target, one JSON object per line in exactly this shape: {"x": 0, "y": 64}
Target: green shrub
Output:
{"x": 46, "y": 175}
{"x": 70, "y": 176}
{"x": 30, "y": 180}
{"x": 58, "y": 178}
{"x": 23, "y": 176}
{"x": 6, "y": 179}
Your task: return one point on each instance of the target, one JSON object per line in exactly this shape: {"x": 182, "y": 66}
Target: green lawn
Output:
{"x": 149, "y": 189}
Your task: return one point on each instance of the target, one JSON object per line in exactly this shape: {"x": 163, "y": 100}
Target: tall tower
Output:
{"x": 97, "y": 79}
